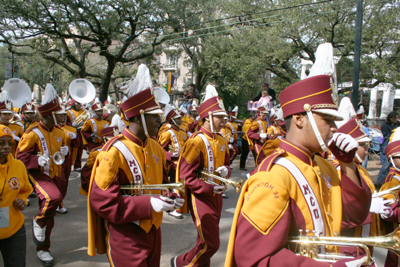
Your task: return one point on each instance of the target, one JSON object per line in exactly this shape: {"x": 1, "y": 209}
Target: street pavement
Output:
{"x": 69, "y": 235}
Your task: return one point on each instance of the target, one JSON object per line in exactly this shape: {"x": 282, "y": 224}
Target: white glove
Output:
{"x": 72, "y": 135}
{"x": 64, "y": 150}
{"x": 356, "y": 263}
{"x": 43, "y": 161}
{"x": 160, "y": 204}
{"x": 178, "y": 202}
{"x": 223, "y": 171}
{"x": 16, "y": 138}
{"x": 93, "y": 136}
{"x": 263, "y": 135}
{"x": 344, "y": 142}
{"x": 74, "y": 124}
{"x": 379, "y": 205}
{"x": 231, "y": 140}
{"x": 189, "y": 134}
{"x": 230, "y": 146}
{"x": 218, "y": 189}
{"x": 175, "y": 155}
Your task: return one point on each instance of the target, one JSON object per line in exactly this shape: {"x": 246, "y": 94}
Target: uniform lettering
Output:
{"x": 132, "y": 163}
{"x": 135, "y": 170}
{"x": 138, "y": 178}
{"x": 316, "y": 213}
{"x": 312, "y": 201}
{"x": 306, "y": 189}
{"x": 265, "y": 185}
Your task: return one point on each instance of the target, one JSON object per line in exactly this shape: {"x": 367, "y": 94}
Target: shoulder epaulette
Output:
{"x": 109, "y": 144}
{"x": 194, "y": 134}
{"x": 31, "y": 128}
{"x": 267, "y": 163}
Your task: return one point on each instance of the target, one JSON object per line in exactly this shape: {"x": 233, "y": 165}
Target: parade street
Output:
{"x": 69, "y": 236}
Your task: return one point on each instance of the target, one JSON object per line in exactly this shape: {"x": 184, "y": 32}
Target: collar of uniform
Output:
{"x": 128, "y": 134}
{"x": 394, "y": 171}
{"x": 206, "y": 132}
{"x": 5, "y": 124}
{"x": 294, "y": 150}
{"x": 173, "y": 126}
{"x": 45, "y": 127}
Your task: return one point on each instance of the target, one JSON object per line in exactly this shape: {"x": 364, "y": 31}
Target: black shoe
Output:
{"x": 173, "y": 262}
{"x": 224, "y": 196}
{"x": 32, "y": 195}
{"x": 243, "y": 169}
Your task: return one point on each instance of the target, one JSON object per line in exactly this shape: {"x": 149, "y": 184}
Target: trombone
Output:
{"x": 308, "y": 245}
{"x": 388, "y": 191}
{"x": 136, "y": 189}
{"x": 204, "y": 175}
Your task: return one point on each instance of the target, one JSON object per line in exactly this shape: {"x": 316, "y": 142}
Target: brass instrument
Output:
{"x": 58, "y": 157}
{"x": 204, "y": 175}
{"x": 175, "y": 149}
{"x": 83, "y": 117}
{"x": 135, "y": 189}
{"x": 308, "y": 245}
{"x": 388, "y": 191}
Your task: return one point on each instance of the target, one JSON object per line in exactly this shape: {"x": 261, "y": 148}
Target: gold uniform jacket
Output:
{"x": 110, "y": 171}
{"x": 273, "y": 206}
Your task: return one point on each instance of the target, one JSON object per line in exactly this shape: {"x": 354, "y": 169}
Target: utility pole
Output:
{"x": 357, "y": 53}
{"x": 12, "y": 65}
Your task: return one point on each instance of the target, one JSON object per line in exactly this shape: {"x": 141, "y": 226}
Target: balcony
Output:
{"x": 170, "y": 67}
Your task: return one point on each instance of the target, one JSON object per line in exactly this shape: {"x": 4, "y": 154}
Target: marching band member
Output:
{"x": 74, "y": 112}
{"x": 6, "y": 114}
{"x": 275, "y": 127}
{"x": 172, "y": 142}
{"x": 205, "y": 149}
{"x": 106, "y": 133}
{"x": 258, "y": 131}
{"x": 91, "y": 129}
{"x": 392, "y": 220}
{"x": 128, "y": 227}
{"x": 72, "y": 141}
{"x": 185, "y": 125}
{"x": 47, "y": 177}
{"x": 245, "y": 142}
{"x": 234, "y": 127}
{"x": 28, "y": 112}
{"x": 192, "y": 122}
{"x": 294, "y": 188}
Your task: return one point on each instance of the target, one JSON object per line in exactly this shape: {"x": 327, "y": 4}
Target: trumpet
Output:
{"x": 175, "y": 149}
{"x": 204, "y": 175}
{"x": 58, "y": 157}
{"x": 388, "y": 191}
{"x": 136, "y": 189}
{"x": 308, "y": 245}
{"x": 83, "y": 117}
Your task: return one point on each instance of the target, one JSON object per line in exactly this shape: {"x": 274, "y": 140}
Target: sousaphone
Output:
{"x": 19, "y": 92}
{"x": 82, "y": 91}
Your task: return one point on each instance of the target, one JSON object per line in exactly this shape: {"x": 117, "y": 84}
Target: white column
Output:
{"x": 373, "y": 100}
{"x": 387, "y": 101}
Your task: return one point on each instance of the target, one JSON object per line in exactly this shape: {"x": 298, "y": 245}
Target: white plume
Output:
{"x": 141, "y": 82}
{"x": 4, "y": 96}
{"x": 124, "y": 99}
{"x": 96, "y": 100}
{"x": 346, "y": 110}
{"x": 396, "y": 135}
{"x": 210, "y": 92}
{"x": 184, "y": 110}
{"x": 324, "y": 62}
{"x": 109, "y": 99}
{"x": 236, "y": 109}
{"x": 167, "y": 109}
{"x": 279, "y": 114}
{"x": 49, "y": 94}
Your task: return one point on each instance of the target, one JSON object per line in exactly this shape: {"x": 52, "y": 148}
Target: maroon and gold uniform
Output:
{"x": 129, "y": 222}
{"x": 192, "y": 123}
{"x": 269, "y": 208}
{"x": 234, "y": 127}
{"x": 91, "y": 127}
{"x": 258, "y": 126}
{"x": 205, "y": 206}
{"x": 28, "y": 125}
{"x": 48, "y": 181}
{"x": 86, "y": 171}
{"x": 275, "y": 130}
{"x": 185, "y": 124}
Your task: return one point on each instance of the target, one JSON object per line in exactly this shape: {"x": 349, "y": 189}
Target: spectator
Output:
{"x": 271, "y": 92}
{"x": 195, "y": 93}
{"x": 185, "y": 99}
{"x": 14, "y": 193}
{"x": 387, "y": 127}
{"x": 365, "y": 124}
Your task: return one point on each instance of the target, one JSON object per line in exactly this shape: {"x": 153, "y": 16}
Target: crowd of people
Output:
{"x": 147, "y": 157}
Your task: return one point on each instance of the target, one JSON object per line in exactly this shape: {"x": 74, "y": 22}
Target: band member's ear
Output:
{"x": 299, "y": 120}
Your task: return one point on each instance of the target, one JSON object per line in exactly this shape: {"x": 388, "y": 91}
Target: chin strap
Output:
{"x": 316, "y": 131}
{"x": 359, "y": 158}
{"x": 211, "y": 122}
{"x": 394, "y": 166}
{"x": 54, "y": 117}
{"x": 144, "y": 123}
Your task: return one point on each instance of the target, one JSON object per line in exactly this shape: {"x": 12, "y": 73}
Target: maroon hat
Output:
{"x": 355, "y": 130}
{"x": 273, "y": 118}
{"x": 392, "y": 149}
{"x": 73, "y": 101}
{"x": 28, "y": 107}
{"x": 49, "y": 108}
{"x": 142, "y": 102}
{"x": 213, "y": 105}
{"x": 311, "y": 94}
{"x": 261, "y": 109}
{"x": 96, "y": 106}
{"x": 6, "y": 106}
{"x": 109, "y": 131}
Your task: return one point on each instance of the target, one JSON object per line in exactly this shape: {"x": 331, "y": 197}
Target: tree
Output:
{"x": 89, "y": 38}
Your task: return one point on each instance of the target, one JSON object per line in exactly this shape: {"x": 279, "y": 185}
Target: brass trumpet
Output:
{"x": 58, "y": 157}
{"x": 388, "y": 191}
{"x": 135, "y": 190}
{"x": 308, "y": 245}
{"x": 204, "y": 175}
{"x": 83, "y": 117}
{"x": 175, "y": 149}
